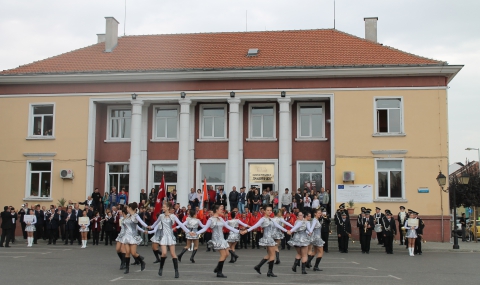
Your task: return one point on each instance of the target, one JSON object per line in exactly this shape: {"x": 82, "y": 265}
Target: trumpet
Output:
{"x": 365, "y": 227}
{"x": 423, "y": 240}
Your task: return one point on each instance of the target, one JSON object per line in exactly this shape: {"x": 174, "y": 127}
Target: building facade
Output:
{"x": 286, "y": 109}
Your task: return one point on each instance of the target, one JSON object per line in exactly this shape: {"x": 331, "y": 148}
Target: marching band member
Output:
{"x": 233, "y": 237}
{"x": 317, "y": 241}
{"x": 409, "y": 212}
{"x": 30, "y": 229}
{"x": 218, "y": 242}
{"x": 84, "y": 231}
{"x": 131, "y": 238}
{"x": 389, "y": 231}
{"x": 278, "y": 235}
{"x": 300, "y": 241}
{"x": 365, "y": 229}
{"x": 167, "y": 220}
{"x": 192, "y": 224}
{"x": 418, "y": 240}
{"x": 378, "y": 216}
{"x": 96, "y": 227}
{"x": 156, "y": 239}
{"x": 325, "y": 221}
{"x": 267, "y": 240}
{"x": 360, "y": 218}
{"x": 402, "y": 216}
{"x": 344, "y": 230}
{"x": 411, "y": 234}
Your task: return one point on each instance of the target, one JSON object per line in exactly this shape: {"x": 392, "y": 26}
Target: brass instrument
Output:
{"x": 365, "y": 227}
{"x": 404, "y": 231}
{"x": 423, "y": 240}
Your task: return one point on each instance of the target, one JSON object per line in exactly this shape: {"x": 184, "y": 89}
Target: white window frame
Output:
{"x": 30, "y": 134}
{"x": 107, "y": 174}
{"x": 151, "y": 169}
{"x": 375, "y": 130}
{"x": 311, "y": 162}
{"x": 250, "y": 130}
{"x": 208, "y": 106}
{"x": 154, "y": 123}
{"x": 387, "y": 199}
{"x": 28, "y": 178}
{"x": 198, "y": 173}
{"x": 109, "y": 123}
{"x": 299, "y": 132}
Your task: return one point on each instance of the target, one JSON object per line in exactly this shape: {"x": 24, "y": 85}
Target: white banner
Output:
{"x": 359, "y": 193}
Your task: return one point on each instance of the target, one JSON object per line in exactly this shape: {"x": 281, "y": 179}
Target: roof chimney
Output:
{"x": 111, "y": 34}
{"x": 100, "y": 38}
{"x": 371, "y": 28}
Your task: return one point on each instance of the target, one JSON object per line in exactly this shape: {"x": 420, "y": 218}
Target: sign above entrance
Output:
{"x": 261, "y": 173}
{"x": 359, "y": 193}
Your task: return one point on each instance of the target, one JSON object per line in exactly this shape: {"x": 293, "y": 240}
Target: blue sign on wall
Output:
{"x": 423, "y": 190}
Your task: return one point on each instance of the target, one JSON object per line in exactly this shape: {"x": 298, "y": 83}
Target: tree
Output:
{"x": 466, "y": 195}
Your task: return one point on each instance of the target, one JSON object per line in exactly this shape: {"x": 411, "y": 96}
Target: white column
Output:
{"x": 143, "y": 148}
{"x": 135, "y": 181}
{"x": 284, "y": 147}
{"x": 240, "y": 145}
{"x": 233, "y": 145}
{"x": 92, "y": 115}
{"x": 191, "y": 148}
{"x": 183, "y": 153}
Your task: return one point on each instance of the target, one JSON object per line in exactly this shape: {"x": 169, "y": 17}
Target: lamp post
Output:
{"x": 463, "y": 180}
{"x": 475, "y": 208}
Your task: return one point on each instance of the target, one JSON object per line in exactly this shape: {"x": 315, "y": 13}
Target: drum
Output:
{"x": 378, "y": 228}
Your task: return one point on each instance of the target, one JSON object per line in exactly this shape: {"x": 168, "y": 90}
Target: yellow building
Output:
{"x": 276, "y": 109}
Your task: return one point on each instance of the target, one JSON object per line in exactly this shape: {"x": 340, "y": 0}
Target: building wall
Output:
{"x": 70, "y": 146}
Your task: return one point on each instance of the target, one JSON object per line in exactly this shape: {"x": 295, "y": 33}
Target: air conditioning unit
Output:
{"x": 66, "y": 174}
{"x": 348, "y": 176}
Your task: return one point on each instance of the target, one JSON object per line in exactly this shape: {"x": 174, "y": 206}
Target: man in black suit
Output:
{"x": 325, "y": 221}
{"x": 22, "y": 212}
{"x": 366, "y": 226}
{"x": 418, "y": 240}
{"x": 389, "y": 231}
{"x": 53, "y": 220}
{"x": 70, "y": 226}
{"x": 39, "y": 225}
{"x": 233, "y": 198}
{"x": 299, "y": 200}
{"x": 78, "y": 213}
{"x": 221, "y": 199}
{"x": 7, "y": 226}
{"x": 61, "y": 224}
{"x": 344, "y": 230}
{"x": 97, "y": 200}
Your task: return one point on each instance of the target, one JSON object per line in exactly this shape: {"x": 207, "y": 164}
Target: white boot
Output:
{"x": 411, "y": 251}
{"x": 30, "y": 241}
{"x": 85, "y": 245}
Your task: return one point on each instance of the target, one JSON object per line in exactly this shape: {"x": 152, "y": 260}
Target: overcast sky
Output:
{"x": 447, "y": 30}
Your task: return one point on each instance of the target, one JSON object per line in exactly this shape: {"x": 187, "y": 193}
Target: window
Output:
{"x": 118, "y": 176}
{"x": 388, "y": 115}
{"x": 166, "y": 123}
{"x": 42, "y": 120}
{"x": 39, "y": 174}
{"x": 214, "y": 122}
{"x": 120, "y": 122}
{"x": 170, "y": 173}
{"x": 311, "y": 122}
{"x": 215, "y": 173}
{"x": 310, "y": 175}
{"x": 262, "y": 121}
{"x": 389, "y": 178}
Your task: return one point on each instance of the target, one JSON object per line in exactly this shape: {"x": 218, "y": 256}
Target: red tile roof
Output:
{"x": 277, "y": 49}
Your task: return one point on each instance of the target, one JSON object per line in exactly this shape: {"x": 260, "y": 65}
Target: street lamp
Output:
{"x": 475, "y": 214}
{"x": 463, "y": 180}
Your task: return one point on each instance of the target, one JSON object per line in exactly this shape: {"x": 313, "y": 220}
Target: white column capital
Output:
{"x": 184, "y": 101}
{"x": 136, "y": 102}
{"x": 285, "y": 100}
{"x": 234, "y": 101}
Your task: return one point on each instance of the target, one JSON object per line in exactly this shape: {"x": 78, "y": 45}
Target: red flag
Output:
{"x": 160, "y": 197}
{"x": 205, "y": 197}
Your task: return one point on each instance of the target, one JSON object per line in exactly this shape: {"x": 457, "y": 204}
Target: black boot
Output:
{"x": 127, "y": 265}
{"x": 140, "y": 261}
{"x": 175, "y": 266}
{"x": 309, "y": 261}
{"x": 234, "y": 255}
{"x": 181, "y": 254}
{"x": 262, "y": 262}
{"x": 162, "y": 262}
{"x": 193, "y": 255}
{"x": 220, "y": 269}
{"x": 295, "y": 264}
{"x": 277, "y": 257}
{"x": 270, "y": 269}
{"x": 157, "y": 256}
{"x": 317, "y": 262}
{"x": 213, "y": 249}
{"x": 232, "y": 259}
{"x": 136, "y": 262}
{"x": 303, "y": 268}
{"x": 208, "y": 248}
{"x": 122, "y": 260}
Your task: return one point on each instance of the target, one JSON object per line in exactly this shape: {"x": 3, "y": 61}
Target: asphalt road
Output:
{"x": 60, "y": 264}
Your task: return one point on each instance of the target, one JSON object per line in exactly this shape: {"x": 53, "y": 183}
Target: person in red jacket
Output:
{"x": 290, "y": 218}
{"x": 95, "y": 227}
{"x": 208, "y": 233}
{"x": 243, "y": 238}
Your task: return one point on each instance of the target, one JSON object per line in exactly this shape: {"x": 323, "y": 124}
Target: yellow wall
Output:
{"x": 70, "y": 146}
{"x": 425, "y": 126}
